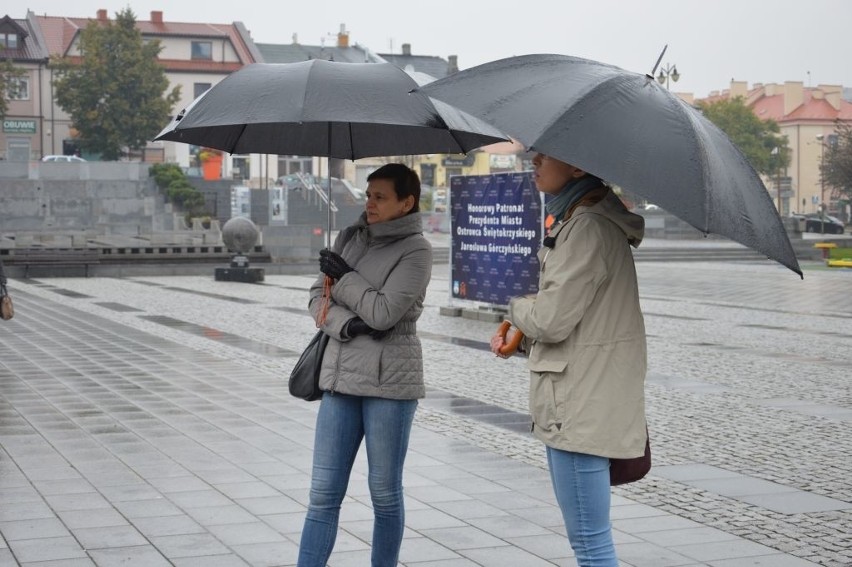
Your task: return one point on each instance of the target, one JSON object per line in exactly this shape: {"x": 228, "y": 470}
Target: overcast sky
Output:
{"x": 710, "y": 41}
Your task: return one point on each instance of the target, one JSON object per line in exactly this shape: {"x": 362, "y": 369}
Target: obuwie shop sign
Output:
{"x": 19, "y": 126}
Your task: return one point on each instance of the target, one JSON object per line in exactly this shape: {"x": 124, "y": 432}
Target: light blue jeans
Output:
{"x": 343, "y": 421}
{"x": 581, "y": 484}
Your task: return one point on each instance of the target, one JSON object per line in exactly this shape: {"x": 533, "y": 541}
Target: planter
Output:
{"x": 212, "y": 168}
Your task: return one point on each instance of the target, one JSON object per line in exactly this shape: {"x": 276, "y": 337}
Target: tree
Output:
{"x": 836, "y": 166}
{"x": 759, "y": 140}
{"x": 115, "y": 93}
{"x": 9, "y": 75}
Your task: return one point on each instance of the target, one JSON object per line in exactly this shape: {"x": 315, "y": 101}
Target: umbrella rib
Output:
{"x": 233, "y": 146}
{"x": 456, "y": 140}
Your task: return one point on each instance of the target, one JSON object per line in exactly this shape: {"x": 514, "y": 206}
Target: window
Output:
{"x": 202, "y": 50}
{"x": 199, "y": 89}
{"x": 18, "y": 89}
{"x": 8, "y": 40}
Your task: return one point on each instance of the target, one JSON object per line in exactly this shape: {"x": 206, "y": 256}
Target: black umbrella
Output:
{"x": 627, "y": 129}
{"x": 323, "y": 108}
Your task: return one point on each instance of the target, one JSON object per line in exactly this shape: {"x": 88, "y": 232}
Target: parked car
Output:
{"x": 294, "y": 181}
{"x": 66, "y": 159}
{"x": 815, "y": 223}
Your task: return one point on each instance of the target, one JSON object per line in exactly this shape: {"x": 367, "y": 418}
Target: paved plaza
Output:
{"x": 146, "y": 421}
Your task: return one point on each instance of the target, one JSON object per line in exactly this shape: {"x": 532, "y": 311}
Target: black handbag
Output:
{"x": 304, "y": 378}
{"x": 623, "y": 471}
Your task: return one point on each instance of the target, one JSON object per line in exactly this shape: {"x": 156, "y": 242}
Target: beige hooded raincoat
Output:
{"x": 585, "y": 334}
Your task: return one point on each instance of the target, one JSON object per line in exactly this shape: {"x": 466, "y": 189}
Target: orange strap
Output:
{"x": 325, "y": 301}
{"x": 511, "y": 345}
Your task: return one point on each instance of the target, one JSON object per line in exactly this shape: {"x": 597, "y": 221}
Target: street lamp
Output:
{"x": 668, "y": 72}
{"x": 822, "y": 207}
{"x": 776, "y": 152}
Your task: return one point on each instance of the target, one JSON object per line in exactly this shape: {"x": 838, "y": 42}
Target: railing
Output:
{"x": 318, "y": 190}
{"x": 356, "y": 193}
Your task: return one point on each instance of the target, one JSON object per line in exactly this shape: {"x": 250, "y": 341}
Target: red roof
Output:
{"x": 813, "y": 108}
{"x": 60, "y": 32}
{"x": 817, "y": 109}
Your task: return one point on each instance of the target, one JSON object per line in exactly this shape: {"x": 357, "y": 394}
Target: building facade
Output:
{"x": 807, "y": 116}
{"x": 195, "y": 56}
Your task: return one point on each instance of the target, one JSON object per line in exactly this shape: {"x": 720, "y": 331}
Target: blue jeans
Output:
{"x": 343, "y": 421}
{"x": 581, "y": 484}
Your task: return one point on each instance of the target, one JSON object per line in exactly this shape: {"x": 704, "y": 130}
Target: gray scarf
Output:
{"x": 570, "y": 194}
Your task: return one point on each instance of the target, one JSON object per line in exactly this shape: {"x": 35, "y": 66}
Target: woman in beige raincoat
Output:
{"x": 585, "y": 338}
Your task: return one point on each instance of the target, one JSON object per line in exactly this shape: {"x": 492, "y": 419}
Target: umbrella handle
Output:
{"x": 511, "y": 344}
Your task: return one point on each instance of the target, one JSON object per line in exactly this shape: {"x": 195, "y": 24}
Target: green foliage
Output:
{"x": 426, "y": 201}
{"x": 8, "y": 74}
{"x": 115, "y": 94}
{"x": 757, "y": 139}
{"x": 171, "y": 179}
{"x": 836, "y": 167}
{"x": 185, "y": 195}
{"x": 165, "y": 173}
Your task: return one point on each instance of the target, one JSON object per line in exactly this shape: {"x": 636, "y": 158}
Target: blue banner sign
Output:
{"x": 495, "y": 222}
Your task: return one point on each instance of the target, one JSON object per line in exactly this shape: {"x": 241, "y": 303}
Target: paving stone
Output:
{"x": 33, "y": 529}
{"x": 46, "y": 549}
{"x": 118, "y": 556}
{"x": 109, "y": 536}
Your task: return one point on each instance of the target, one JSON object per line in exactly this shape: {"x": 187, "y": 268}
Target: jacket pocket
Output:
{"x": 546, "y": 357}
{"x": 548, "y": 393}
{"x": 360, "y": 360}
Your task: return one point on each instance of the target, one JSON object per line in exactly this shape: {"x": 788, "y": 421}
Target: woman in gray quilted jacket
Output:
{"x": 372, "y": 369}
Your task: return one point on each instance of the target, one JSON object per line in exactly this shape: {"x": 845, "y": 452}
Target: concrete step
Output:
{"x": 698, "y": 255}
{"x": 441, "y": 255}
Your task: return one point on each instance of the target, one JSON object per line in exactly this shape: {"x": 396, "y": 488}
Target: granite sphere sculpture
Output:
{"x": 240, "y": 234}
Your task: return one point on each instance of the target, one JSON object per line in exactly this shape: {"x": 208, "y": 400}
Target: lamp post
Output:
{"x": 668, "y": 72}
{"x": 822, "y": 207}
{"x": 776, "y": 151}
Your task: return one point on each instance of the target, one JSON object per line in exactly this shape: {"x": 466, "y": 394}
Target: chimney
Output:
{"x": 739, "y": 89}
{"x": 406, "y": 49}
{"x": 343, "y": 37}
{"x": 794, "y": 96}
{"x": 156, "y": 16}
{"x": 771, "y": 89}
{"x": 102, "y": 15}
{"x": 833, "y": 94}
{"x": 452, "y": 64}
{"x": 295, "y": 39}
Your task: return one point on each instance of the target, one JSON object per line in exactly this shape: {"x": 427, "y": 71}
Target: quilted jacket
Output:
{"x": 392, "y": 264}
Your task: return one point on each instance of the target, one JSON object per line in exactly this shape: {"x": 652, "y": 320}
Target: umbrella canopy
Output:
{"x": 629, "y": 130}
{"x": 324, "y": 108}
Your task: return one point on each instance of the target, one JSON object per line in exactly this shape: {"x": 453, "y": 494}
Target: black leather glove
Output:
{"x": 333, "y": 265}
{"x": 356, "y": 326}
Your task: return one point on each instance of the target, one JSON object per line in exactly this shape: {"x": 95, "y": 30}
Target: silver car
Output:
{"x": 63, "y": 158}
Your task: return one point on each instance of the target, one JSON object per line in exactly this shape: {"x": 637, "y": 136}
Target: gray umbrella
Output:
{"x": 323, "y": 108}
{"x": 627, "y": 129}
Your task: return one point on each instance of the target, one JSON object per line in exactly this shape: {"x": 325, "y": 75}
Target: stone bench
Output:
{"x": 54, "y": 260}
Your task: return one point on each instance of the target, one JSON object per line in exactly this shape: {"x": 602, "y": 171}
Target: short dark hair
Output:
{"x": 405, "y": 182}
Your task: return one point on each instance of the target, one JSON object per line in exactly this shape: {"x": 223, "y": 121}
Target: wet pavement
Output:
{"x": 146, "y": 421}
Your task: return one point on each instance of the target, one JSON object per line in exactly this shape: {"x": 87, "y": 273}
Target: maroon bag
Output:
{"x": 7, "y": 310}
{"x": 623, "y": 471}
